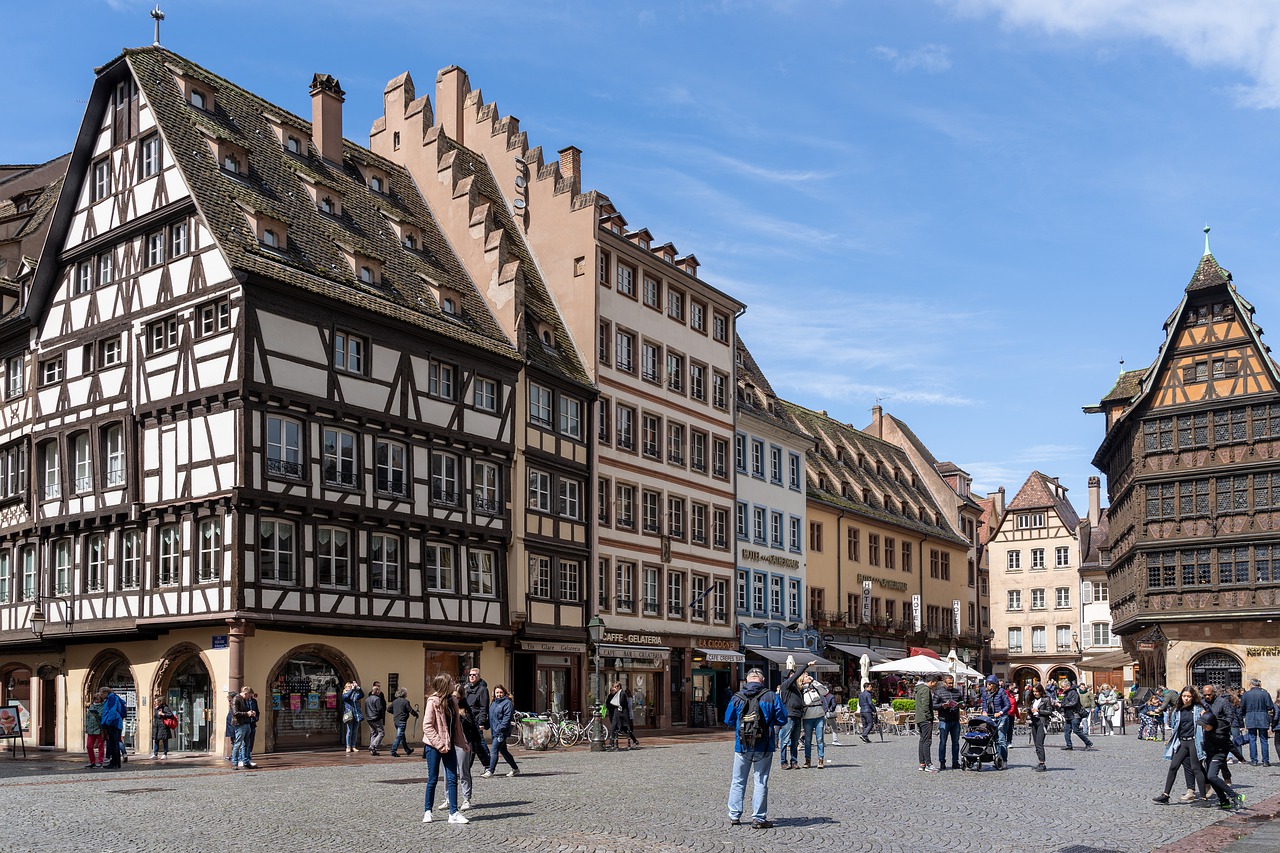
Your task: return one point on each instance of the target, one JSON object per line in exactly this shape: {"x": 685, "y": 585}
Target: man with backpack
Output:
{"x": 1071, "y": 712}
{"x": 753, "y": 712}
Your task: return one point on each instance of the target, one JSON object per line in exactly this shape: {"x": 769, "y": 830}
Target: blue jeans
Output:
{"x": 1073, "y": 725}
{"x": 399, "y": 742}
{"x": 434, "y": 759}
{"x": 951, "y": 729}
{"x": 240, "y": 747}
{"x": 1256, "y": 735}
{"x": 758, "y": 765}
{"x": 787, "y": 740}
{"x": 500, "y": 748}
{"x": 816, "y": 725}
{"x": 352, "y": 734}
{"x": 1002, "y": 740}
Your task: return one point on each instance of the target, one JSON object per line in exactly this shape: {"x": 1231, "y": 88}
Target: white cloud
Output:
{"x": 930, "y": 58}
{"x": 1240, "y": 35}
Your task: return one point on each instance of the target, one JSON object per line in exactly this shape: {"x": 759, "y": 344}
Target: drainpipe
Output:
{"x": 839, "y": 569}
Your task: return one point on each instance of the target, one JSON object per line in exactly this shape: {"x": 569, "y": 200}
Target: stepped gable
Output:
{"x": 514, "y": 259}
{"x": 847, "y": 479}
{"x": 1042, "y": 492}
{"x": 313, "y": 260}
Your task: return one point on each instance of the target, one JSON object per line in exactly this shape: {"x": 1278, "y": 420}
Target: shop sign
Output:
{"x": 900, "y": 586}
{"x": 632, "y": 639}
{"x": 866, "y": 602}
{"x": 1262, "y": 651}
{"x": 713, "y": 657}
{"x": 553, "y": 660}
{"x": 955, "y": 617}
{"x": 771, "y": 559}
{"x": 562, "y": 648}
{"x": 715, "y": 643}
{"x": 915, "y": 612}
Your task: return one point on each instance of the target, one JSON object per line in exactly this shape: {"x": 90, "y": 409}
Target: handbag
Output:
{"x": 349, "y": 716}
{"x": 171, "y": 723}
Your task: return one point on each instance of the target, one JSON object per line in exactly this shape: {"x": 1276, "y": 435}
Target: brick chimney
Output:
{"x": 571, "y": 167}
{"x": 452, "y": 88}
{"x": 1095, "y": 501}
{"x": 326, "y": 116}
{"x": 877, "y": 423}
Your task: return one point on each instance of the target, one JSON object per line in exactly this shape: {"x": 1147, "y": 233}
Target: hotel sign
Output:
{"x": 915, "y": 612}
{"x": 771, "y": 559}
{"x": 900, "y": 586}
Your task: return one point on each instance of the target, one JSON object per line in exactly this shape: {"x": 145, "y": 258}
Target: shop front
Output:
{"x": 640, "y": 664}
{"x": 546, "y": 675}
{"x": 714, "y": 662}
{"x": 187, "y": 686}
{"x": 112, "y": 671}
{"x": 304, "y": 708}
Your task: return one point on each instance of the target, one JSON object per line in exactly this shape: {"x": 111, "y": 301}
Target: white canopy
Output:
{"x": 915, "y": 665}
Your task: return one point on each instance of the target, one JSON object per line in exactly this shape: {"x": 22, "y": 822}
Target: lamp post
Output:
{"x": 39, "y": 621}
{"x": 595, "y": 631}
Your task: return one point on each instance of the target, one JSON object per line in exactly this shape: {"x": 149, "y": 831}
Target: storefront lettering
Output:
{"x": 771, "y": 559}
{"x": 713, "y": 643}
{"x": 1262, "y": 651}
{"x": 633, "y": 639}
{"x": 900, "y": 586}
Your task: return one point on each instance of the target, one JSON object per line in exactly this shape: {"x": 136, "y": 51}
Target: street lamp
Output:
{"x": 595, "y": 632}
{"x": 39, "y": 621}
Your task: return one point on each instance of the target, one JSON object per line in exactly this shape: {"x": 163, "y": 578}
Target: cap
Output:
{"x": 991, "y": 679}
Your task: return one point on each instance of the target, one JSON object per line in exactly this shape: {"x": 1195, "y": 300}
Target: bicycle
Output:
{"x": 568, "y": 731}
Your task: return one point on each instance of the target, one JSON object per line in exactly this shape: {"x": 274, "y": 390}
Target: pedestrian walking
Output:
{"x": 1042, "y": 708}
{"x": 793, "y": 700}
{"x": 753, "y": 712}
{"x": 502, "y": 711}
{"x": 1087, "y": 704}
{"x": 441, "y": 729}
{"x": 476, "y": 696}
{"x": 161, "y": 728}
{"x": 94, "y": 743}
{"x": 946, "y": 705}
{"x": 1258, "y": 711}
{"x": 400, "y": 711}
{"x": 1186, "y": 746}
{"x": 242, "y": 716}
{"x": 1072, "y": 711}
{"x": 925, "y": 717}
{"x": 352, "y": 694}
{"x": 995, "y": 704}
{"x": 112, "y": 722}
{"x": 375, "y": 714}
{"x": 815, "y": 716}
{"x": 465, "y": 753}
{"x": 1108, "y": 703}
{"x": 867, "y": 711}
{"x": 1217, "y": 746}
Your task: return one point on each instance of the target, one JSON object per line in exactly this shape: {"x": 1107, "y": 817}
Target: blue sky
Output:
{"x": 969, "y": 209}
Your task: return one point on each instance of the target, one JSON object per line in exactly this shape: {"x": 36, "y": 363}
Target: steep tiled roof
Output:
{"x": 755, "y": 394}
{"x": 1098, "y": 539}
{"x": 274, "y": 187}
{"x": 845, "y": 479}
{"x": 1128, "y": 384}
{"x": 987, "y": 522}
{"x": 1208, "y": 274}
{"x": 562, "y": 357}
{"x": 41, "y": 209}
{"x": 1042, "y": 492}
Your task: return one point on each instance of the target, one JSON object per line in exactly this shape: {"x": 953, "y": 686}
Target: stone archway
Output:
{"x": 184, "y": 679}
{"x": 1024, "y": 676}
{"x": 298, "y": 701}
{"x": 112, "y": 668}
{"x": 1217, "y": 667}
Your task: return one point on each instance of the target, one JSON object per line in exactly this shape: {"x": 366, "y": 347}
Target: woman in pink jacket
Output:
{"x": 441, "y": 731}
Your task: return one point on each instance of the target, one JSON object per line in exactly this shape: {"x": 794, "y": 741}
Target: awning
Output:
{"x": 721, "y": 655}
{"x": 891, "y": 653}
{"x": 778, "y": 657}
{"x": 1106, "y": 662}
{"x": 656, "y": 654}
{"x": 858, "y": 651}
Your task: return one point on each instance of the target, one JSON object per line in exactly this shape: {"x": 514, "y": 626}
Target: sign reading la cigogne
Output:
{"x": 632, "y": 639}
{"x": 901, "y": 586}
{"x": 1262, "y": 651}
{"x": 771, "y": 559}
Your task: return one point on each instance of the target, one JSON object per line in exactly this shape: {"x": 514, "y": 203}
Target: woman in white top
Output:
{"x": 814, "y": 716}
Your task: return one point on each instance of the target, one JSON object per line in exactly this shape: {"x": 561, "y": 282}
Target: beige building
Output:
{"x": 658, "y": 343}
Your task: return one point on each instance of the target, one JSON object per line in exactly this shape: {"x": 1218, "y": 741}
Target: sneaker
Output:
{"x": 408, "y": 750}
{"x": 1040, "y": 768}
{"x": 1068, "y": 748}
{"x": 515, "y": 772}
{"x": 762, "y": 824}
{"x": 930, "y": 769}
{"x": 486, "y": 774}
{"x": 250, "y": 765}
{"x": 1189, "y": 797}
{"x": 239, "y": 765}
{"x": 1162, "y": 799}
{"x": 737, "y": 821}
{"x": 426, "y": 816}
{"x": 165, "y": 756}
{"x": 395, "y": 755}
{"x": 466, "y": 806}
{"x": 458, "y": 817}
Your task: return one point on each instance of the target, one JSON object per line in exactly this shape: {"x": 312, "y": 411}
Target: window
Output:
{"x": 675, "y": 443}
{"x": 149, "y": 156}
{"x": 1037, "y": 599}
{"x": 209, "y": 551}
{"x": 106, "y": 269}
{"x": 1015, "y": 560}
{"x": 437, "y": 561}
{"x": 793, "y": 466}
{"x": 698, "y": 524}
{"x": 276, "y": 551}
{"x": 62, "y": 567}
{"x": 384, "y": 563}
{"x": 1062, "y": 638}
{"x": 675, "y": 595}
{"x": 675, "y": 517}
{"x": 873, "y": 549}
{"x": 1037, "y": 558}
{"x": 757, "y": 593}
{"x": 14, "y": 376}
{"x": 485, "y": 498}
{"x": 1232, "y": 494}
{"x": 163, "y": 334}
{"x": 815, "y": 536}
{"x": 1015, "y": 640}
{"x": 625, "y": 586}
{"x": 720, "y": 458}
{"x": 740, "y": 521}
{"x": 539, "y": 490}
{"x": 570, "y": 417}
{"x": 741, "y": 592}
{"x": 1193, "y": 497}
{"x": 698, "y": 451}
{"x": 853, "y": 544}
{"x": 626, "y": 427}
{"x": 1062, "y": 556}
{"x": 697, "y": 316}
{"x": 697, "y": 381}
{"x": 445, "y": 489}
{"x": 652, "y": 291}
{"x": 570, "y": 499}
{"x": 649, "y": 591}
{"x": 570, "y": 580}
{"x": 720, "y": 527}
{"x": 179, "y": 238}
{"x": 794, "y": 533}
{"x": 51, "y": 371}
{"x": 935, "y": 563}
{"x": 697, "y": 597}
{"x": 339, "y": 462}
{"x": 604, "y": 342}
{"x": 649, "y": 508}
{"x": 293, "y": 145}
{"x": 649, "y": 355}
{"x": 775, "y": 529}
{"x": 101, "y": 179}
{"x": 719, "y": 393}
{"x": 52, "y": 471}
{"x": 1062, "y": 597}
{"x": 906, "y": 556}
{"x": 197, "y": 99}
{"x": 775, "y": 464}
{"x": 333, "y": 557}
{"x": 626, "y": 279}
{"x": 390, "y": 467}
{"x": 83, "y": 481}
{"x": 440, "y": 380}
{"x": 6, "y": 578}
{"x": 604, "y": 490}
{"x": 793, "y": 598}
{"x": 1039, "y": 639}
{"x": 540, "y": 405}
{"x": 757, "y": 525}
{"x": 757, "y": 459}
{"x": 485, "y": 394}
{"x": 1100, "y": 591}
{"x": 1015, "y": 599}
{"x": 675, "y": 304}
{"x": 1101, "y": 633}
{"x": 740, "y": 453}
{"x": 890, "y": 552}
{"x": 650, "y": 435}
{"x": 13, "y": 471}
{"x": 626, "y": 506}
{"x": 675, "y": 372}
{"x": 626, "y": 343}
{"x": 720, "y": 327}
{"x": 603, "y": 572}
{"x": 349, "y": 352}
{"x": 1030, "y": 519}
{"x": 130, "y": 559}
{"x": 376, "y": 184}
{"x": 284, "y": 446}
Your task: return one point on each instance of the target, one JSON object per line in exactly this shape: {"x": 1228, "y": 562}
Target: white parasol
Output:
{"x": 915, "y": 665}
{"x": 866, "y": 670}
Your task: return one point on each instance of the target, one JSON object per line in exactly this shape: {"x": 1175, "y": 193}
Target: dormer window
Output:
{"x": 231, "y": 163}
{"x": 366, "y": 274}
{"x": 198, "y": 99}
{"x": 270, "y": 233}
{"x": 231, "y": 158}
{"x": 410, "y": 242}
{"x": 449, "y": 306}
{"x": 270, "y": 238}
{"x": 197, "y": 93}
{"x": 328, "y": 205}
{"x": 364, "y": 268}
{"x": 293, "y": 144}
{"x": 376, "y": 184}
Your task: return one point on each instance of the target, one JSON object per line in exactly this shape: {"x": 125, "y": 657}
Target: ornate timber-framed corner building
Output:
{"x": 266, "y": 419}
{"x": 657, "y": 342}
{"x": 1192, "y": 459}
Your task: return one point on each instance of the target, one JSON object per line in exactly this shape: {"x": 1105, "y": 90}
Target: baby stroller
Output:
{"x": 980, "y": 744}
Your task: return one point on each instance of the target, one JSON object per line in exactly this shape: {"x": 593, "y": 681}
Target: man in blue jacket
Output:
{"x": 995, "y": 704}
{"x": 755, "y": 758}
{"x": 1258, "y": 707}
{"x": 113, "y": 714}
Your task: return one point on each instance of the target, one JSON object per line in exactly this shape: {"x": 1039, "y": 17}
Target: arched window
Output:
{"x": 1221, "y": 669}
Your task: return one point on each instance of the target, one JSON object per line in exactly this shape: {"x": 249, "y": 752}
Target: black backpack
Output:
{"x": 751, "y": 724}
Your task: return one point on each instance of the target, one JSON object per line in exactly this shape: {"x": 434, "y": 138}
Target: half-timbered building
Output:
{"x": 550, "y": 552}
{"x": 1190, "y": 454}
{"x": 269, "y": 430}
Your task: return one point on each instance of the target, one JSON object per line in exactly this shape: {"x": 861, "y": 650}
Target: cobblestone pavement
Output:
{"x": 669, "y": 796}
